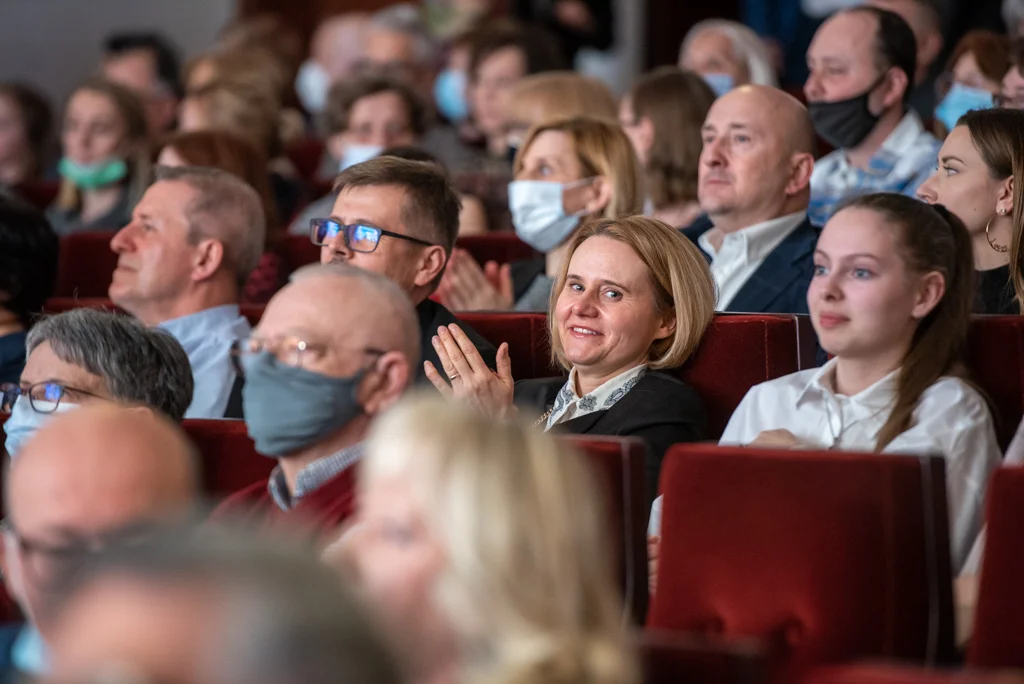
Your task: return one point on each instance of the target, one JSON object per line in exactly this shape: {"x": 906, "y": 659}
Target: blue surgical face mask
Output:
{"x": 92, "y": 176}
{"x": 450, "y": 95}
{"x": 357, "y": 154}
{"x": 311, "y": 85}
{"x": 720, "y": 83}
{"x": 288, "y": 409}
{"x": 25, "y": 421}
{"x": 958, "y": 101}
{"x": 538, "y": 212}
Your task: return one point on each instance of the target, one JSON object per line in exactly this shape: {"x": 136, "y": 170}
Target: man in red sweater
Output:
{"x": 335, "y": 348}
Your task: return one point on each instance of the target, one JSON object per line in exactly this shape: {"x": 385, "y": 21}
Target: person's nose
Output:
{"x": 713, "y": 153}
{"x": 813, "y": 90}
{"x": 586, "y": 306}
{"x": 122, "y": 240}
{"x": 927, "y": 192}
{"x": 336, "y": 249}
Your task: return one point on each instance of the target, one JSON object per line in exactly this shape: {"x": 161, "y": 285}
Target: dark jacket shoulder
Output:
{"x": 432, "y": 315}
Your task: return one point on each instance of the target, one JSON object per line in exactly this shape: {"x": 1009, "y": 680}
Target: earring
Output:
{"x": 1002, "y": 249}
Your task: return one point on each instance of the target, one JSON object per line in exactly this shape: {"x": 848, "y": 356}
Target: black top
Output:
{"x": 661, "y": 409}
{"x": 995, "y": 292}
{"x": 432, "y": 316}
{"x": 12, "y": 356}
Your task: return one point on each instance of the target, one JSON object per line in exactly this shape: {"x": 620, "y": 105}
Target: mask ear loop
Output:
{"x": 578, "y": 184}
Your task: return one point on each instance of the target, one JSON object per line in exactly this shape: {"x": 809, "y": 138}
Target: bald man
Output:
{"x": 754, "y": 187}
{"x": 335, "y": 52}
{"x": 925, "y": 20}
{"x": 88, "y": 474}
{"x": 334, "y": 349}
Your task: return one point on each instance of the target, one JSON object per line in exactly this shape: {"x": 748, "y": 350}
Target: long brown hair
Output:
{"x": 676, "y": 102}
{"x": 928, "y": 238}
{"x": 998, "y": 135}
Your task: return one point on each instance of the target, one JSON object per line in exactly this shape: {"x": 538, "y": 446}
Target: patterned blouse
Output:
{"x": 568, "y": 405}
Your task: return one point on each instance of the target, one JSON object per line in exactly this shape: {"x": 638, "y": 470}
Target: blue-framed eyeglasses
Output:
{"x": 359, "y": 237}
{"x": 44, "y": 397}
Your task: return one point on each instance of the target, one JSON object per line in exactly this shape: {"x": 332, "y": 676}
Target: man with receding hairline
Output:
{"x": 754, "y": 186}
{"x": 87, "y": 475}
{"x": 336, "y": 347}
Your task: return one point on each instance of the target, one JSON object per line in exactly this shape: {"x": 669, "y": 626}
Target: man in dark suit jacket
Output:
{"x": 400, "y": 218}
{"x": 754, "y": 187}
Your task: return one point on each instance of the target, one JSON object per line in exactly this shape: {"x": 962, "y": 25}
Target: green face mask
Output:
{"x": 92, "y": 176}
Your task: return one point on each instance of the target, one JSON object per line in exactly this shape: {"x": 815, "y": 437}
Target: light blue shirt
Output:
{"x": 207, "y": 337}
{"x": 29, "y": 653}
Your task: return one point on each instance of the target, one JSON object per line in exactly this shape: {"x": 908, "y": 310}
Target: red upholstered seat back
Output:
{"x": 996, "y": 361}
{"x": 85, "y": 266}
{"x": 826, "y": 556}
{"x": 898, "y": 673}
{"x": 527, "y": 337}
{"x": 299, "y": 251}
{"x": 229, "y": 459}
{"x": 40, "y": 194}
{"x": 305, "y": 154}
{"x": 500, "y": 247}
{"x": 998, "y": 638}
{"x": 669, "y": 658}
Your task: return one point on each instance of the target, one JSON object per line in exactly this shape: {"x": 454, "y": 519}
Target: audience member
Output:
{"x": 26, "y": 131}
{"x": 575, "y": 24}
{"x": 255, "y": 67}
{"x": 753, "y": 185}
{"x": 397, "y": 43}
{"x": 862, "y": 64}
{"x": 314, "y": 384}
{"x": 105, "y": 167}
{"x": 273, "y": 36}
{"x": 88, "y": 476}
{"x": 980, "y": 165}
{"x": 727, "y": 54}
{"x": 224, "y": 150}
{"x": 483, "y": 548}
{"x": 398, "y": 218}
{"x": 334, "y": 55}
{"x": 1011, "y": 94}
{"x": 632, "y": 297}
{"x": 28, "y": 268}
{"x": 451, "y": 87}
{"x": 146, "y": 64}
{"x": 215, "y": 607}
{"x": 87, "y": 356}
{"x": 193, "y": 240}
{"x": 974, "y": 73}
{"x": 662, "y": 115}
{"x": 926, "y": 22}
{"x": 891, "y": 301}
{"x": 567, "y": 171}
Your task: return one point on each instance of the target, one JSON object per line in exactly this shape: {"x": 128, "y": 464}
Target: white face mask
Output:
{"x": 538, "y": 212}
{"x": 26, "y": 421}
{"x": 357, "y": 154}
{"x": 311, "y": 85}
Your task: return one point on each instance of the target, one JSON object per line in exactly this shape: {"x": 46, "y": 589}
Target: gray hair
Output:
{"x": 748, "y": 47}
{"x": 386, "y": 293}
{"x": 226, "y": 209}
{"x": 406, "y": 18}
{"x": 139, "y": 365}
{"x": 285, "y": 617}
{"x": 1013, "y": 15}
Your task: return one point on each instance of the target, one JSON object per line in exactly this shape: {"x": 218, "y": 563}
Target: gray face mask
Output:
{"x": 288, "y": 409}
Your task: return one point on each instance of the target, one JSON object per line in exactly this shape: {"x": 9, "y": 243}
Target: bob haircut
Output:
{"x": 682, "y": 281}
{"x": 559, "y": 95}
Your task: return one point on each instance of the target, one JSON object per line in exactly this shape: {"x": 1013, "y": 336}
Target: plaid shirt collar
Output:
{"x": 312, "y": 477}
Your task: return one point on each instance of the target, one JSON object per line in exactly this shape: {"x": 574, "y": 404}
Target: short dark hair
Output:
{"x": 895, "y": 44}
{"x": 36, "y": 118}
{"x": 28, "y": 258}
{"x": 431, "y": 207}
{"x": 539, "y": 47}
{"x": 344, "y": 95}
{"x": 165, "y": 57}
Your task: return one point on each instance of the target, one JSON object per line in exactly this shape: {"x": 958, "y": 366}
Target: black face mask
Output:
{"x": 845, "y": 123}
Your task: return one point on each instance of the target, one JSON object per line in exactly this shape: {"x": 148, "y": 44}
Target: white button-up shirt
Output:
{"x": 951, "y": 419}
{"x": 742, "y": 253}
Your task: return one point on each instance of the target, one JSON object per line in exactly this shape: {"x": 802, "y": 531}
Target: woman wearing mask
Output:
{"x": 566, "y": 172}
{"x": 979, "y": 177}
{"x": 663, "y": 115}
{"x": 727, "y": 54}
{"x": 974, "y": 72}
{"x": 105, "y": 167}
{"x": 632, "y": 298}
{"x": 481, "y": 547}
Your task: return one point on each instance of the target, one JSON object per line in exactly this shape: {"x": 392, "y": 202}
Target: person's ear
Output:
{"x": 431, "y": 265}
{"x": 667, "y": 326}
{"x": 930, "y": 291}
{"x": 600, "y": 196}
{"x": 1004, "y": 201}
{"x": 209, "y": 257}
{"x": 385, "y": 383}
{"x": 895, "y": 86}
{"x": 801, "y": 167}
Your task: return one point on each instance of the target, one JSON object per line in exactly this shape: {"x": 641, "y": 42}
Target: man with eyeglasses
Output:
{"x": 399, "y": 218}
{"x": 335, "y": 348}
{"x": 95, "y": 474}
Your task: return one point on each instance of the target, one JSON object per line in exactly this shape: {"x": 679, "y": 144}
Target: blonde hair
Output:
{"x": 682, "y": 281}
{"x": 529, "y": 587}
{"x": 603, "y": 150}
{"x": 559, "y": 95}
{"x": 243, "y": 108}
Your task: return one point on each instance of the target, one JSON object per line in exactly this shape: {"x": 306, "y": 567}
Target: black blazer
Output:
{"x": 432, "y": 316}
{"x": 661, "y": 409}
{"x": 780, "y": 283}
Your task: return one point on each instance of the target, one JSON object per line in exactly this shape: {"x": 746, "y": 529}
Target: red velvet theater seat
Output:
{"x": 299, "y": 251}
{"x": 668, "y": 658}
{"x": 229, "y": 458}
{"x": 998, "y": 638}
{"x": 500, "y": 247}
{"x": 85, "y": 266}
{"x": 995, "y": 359}
{"x": 825, "y": 556}
{"x": 40, "y": 194}
{"x": 305, "y": 154}
{"x": 896, "y": 673}
{"x": 619, "y": 463}
{"x": 527, "y": 337}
